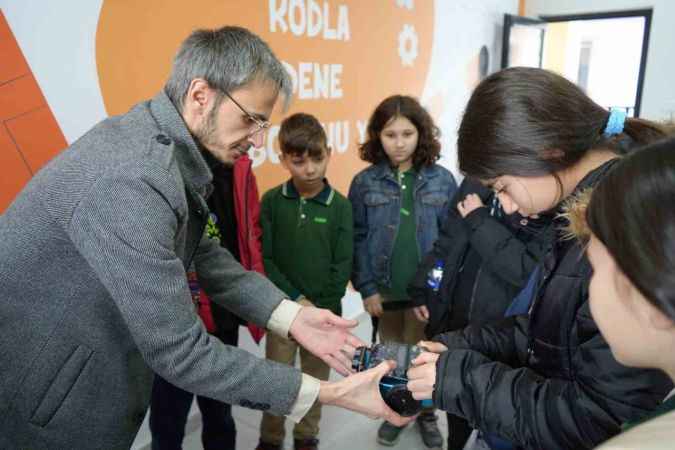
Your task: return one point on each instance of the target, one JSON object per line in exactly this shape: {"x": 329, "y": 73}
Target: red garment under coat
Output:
{"x": 249, "y": 233}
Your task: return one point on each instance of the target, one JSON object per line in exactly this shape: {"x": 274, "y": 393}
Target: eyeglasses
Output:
{"x": 260, "y": 125}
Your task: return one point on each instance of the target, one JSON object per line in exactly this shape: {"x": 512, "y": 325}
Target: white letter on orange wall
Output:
{"x": 294, "y": 75}
{"x": 277, "y": 15}
{"x": 314, "y": 19}
{"x": 304, "y": 79}
{"x": 321, "y": 78}
{"x": 296, "y": 17}
{"x": 343, "y": 23}
{"x": 272, "y": 155}
{"x": 361, "y": 126}
{"x": 335, "y": 89}
{"x": 341, "y": 139}
{"x": 328, "y": 32}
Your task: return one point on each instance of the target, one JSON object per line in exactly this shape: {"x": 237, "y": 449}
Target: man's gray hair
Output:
{"x": 226, "y": 58}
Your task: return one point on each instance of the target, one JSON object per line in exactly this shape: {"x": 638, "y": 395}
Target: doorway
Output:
{"x": 603, "y": 53}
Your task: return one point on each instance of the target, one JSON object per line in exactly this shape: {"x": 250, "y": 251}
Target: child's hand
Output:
{"x": 373, "y": 305}
{"x": 421, "y": 313}
{"x": 433, "y": 347}
{"x": 470, "y": 203}
{"x": 422, "y": 376}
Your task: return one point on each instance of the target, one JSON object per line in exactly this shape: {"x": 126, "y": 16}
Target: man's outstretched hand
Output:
{"x": 327, "y": 336}
{"x": 361, "y": 393}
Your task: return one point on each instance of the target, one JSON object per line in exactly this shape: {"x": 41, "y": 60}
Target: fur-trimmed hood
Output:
{"x": 573, "y": 211}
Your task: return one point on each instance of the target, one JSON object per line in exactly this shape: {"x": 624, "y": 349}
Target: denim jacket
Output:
{"x": 376, "y": 202}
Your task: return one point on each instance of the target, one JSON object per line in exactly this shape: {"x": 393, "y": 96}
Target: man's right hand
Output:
{"x": 304, "y": 301}
{"x": 373, "y": 305}
{"x": 360, "y": 392}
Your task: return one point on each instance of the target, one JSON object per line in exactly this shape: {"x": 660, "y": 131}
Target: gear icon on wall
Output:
{"x": 410, "y": 4}
{"x": 407, "y": 45}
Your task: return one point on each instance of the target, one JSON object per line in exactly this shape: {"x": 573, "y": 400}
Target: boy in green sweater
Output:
{"x": 307, "y": 251}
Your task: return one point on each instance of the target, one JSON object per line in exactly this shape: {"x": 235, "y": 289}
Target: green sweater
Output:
{"x": 307, "y": 244}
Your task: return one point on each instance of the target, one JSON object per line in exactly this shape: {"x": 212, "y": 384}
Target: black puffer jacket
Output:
{"x": 550, "y": 381}
{"x": 504, "y": 250}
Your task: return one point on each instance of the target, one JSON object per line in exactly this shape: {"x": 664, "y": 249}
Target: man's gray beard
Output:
{"x": 207, "y": 134}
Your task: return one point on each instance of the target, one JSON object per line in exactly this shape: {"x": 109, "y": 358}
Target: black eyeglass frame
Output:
{"x": 260, "y": 124}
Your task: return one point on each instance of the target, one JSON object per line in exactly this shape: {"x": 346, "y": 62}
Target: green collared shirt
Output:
{"x": 307, "y": 243}
{"x": 405, "y": 257}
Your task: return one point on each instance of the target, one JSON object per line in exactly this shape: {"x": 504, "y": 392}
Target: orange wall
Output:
{"x": 133, "y": 58}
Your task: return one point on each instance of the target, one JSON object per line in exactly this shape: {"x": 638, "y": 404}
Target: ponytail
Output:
{"x": 635, "y": 133}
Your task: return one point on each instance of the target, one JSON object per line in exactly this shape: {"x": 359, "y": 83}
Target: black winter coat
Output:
{"x": 548, "y": 381}
{"x": 507, "y": 251}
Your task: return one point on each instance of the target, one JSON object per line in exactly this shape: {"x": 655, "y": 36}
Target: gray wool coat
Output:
{"x": 94, "y": 297}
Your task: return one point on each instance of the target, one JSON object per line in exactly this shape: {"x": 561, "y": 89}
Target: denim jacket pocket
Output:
{"x": 435, "y": 199}
{"x": 372, "y": 199}
{"x": 433, "y": 207}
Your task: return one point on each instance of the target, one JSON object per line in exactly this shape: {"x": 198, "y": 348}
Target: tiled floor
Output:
{"x": 340, "y": 429}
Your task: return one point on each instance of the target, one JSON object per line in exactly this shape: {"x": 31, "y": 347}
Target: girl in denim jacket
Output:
{"x": 399, "y": 202}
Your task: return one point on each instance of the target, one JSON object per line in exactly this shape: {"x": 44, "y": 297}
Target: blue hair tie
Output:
{"x": 617, "y": 118}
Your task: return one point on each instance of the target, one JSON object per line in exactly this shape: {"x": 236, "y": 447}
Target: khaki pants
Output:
{"x": 272, "y": 429}
{"x": 402, "y": 326}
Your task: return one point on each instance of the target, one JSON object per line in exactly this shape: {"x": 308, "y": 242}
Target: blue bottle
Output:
{"x": 435, "y": 275}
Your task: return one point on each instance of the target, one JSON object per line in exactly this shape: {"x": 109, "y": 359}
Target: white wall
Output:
{"x": 658, "y": 94}
{"x": 461, "y": 28}
{"x": 55, "y": 40}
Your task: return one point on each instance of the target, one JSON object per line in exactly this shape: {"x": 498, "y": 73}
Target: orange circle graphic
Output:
{"x": 345, "y": 57}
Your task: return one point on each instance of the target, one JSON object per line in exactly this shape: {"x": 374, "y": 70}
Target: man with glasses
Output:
{"x": 234, "y": 223}
{"x": 95, "y": 251}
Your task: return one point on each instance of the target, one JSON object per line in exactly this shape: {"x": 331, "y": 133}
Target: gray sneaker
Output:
{"x": 388, "y": 434}
{"x": 431, "y": 436}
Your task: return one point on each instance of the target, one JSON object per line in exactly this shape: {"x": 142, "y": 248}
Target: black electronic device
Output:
{"x": 393, "y": 385}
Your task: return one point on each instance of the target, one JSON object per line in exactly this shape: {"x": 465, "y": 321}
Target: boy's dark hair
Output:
{"x": 302, "y": 133}
{"x": 428, "y": 146}
{"x": 525, "y": 122}
{"x": 631, "y": 212}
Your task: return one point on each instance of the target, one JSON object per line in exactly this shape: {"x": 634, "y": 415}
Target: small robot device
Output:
{"x": 392, "y": 386}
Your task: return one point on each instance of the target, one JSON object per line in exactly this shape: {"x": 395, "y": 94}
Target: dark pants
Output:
{"x": 458, "y": 432}
{"x": 170, "y": 408}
